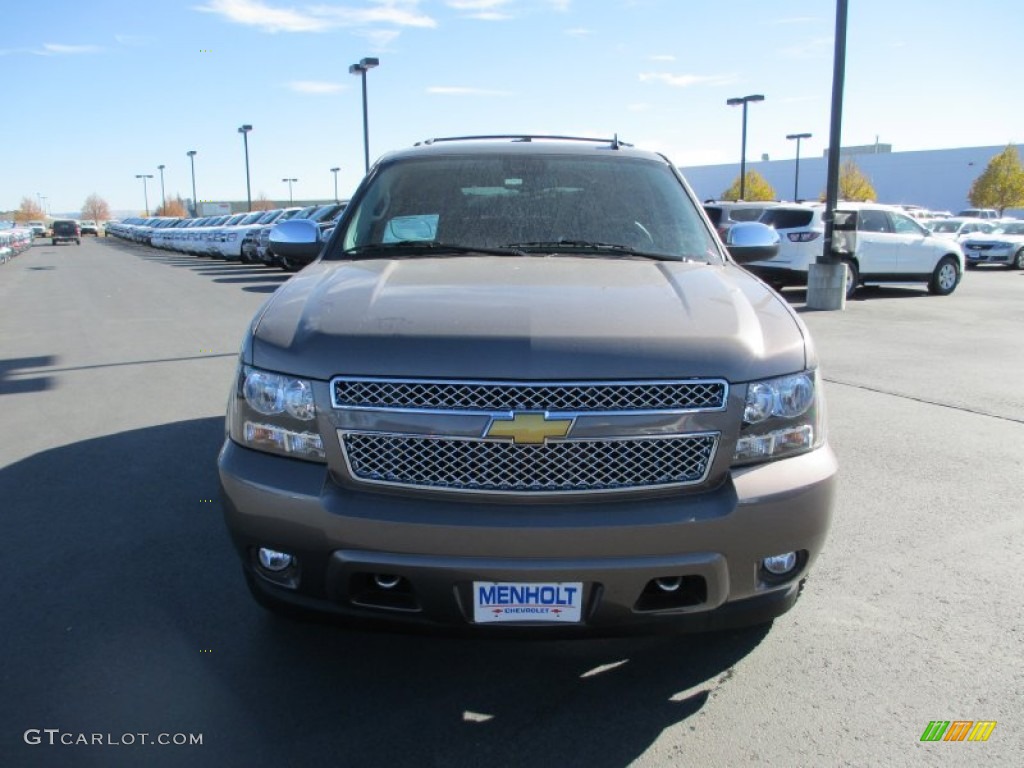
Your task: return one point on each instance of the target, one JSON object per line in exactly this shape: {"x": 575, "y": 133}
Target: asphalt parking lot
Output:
{"x": 125, "y": 612}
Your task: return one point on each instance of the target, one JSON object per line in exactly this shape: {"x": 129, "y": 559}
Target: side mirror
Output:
{"x": 752, "y": 241}
{"x": 299, "y": 237}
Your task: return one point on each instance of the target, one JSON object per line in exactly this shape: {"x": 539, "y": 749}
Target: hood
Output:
{"x": 555, "y": 318}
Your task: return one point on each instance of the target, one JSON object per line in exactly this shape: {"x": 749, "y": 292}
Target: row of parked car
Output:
{"x": 879, "y": 243}
{"x": 241, "y": 237}
{"x": 13, "y": 241}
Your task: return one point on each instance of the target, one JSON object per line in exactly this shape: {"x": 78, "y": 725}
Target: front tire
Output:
{"x": 1018, "y": 260}
{"x": 852, "y": 278}
{"x": 945, "y": 278}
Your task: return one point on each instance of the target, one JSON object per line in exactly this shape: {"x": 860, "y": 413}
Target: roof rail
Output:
{"x": 613, "y": 142}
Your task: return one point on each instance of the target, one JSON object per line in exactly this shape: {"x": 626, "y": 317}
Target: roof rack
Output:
{"x": 613, "y": 142}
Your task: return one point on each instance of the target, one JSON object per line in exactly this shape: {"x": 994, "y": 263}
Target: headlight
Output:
{"x": 781, "y": 417}
{"x": 275, "y": 413}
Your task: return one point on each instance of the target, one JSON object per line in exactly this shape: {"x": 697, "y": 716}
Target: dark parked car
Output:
{"x": 66, "y": 231}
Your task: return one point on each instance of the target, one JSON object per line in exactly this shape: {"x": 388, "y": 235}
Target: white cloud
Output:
{"x": 685, "y": 81}
{"x": 559, "y": 5}
{"x": 314, "y": 86}
{"x": 401, "y": 13}
{"x": 316, "y": 18}
{"x": 579, "y": 32}
{"x": 58, "y": 49}
{"x": 257, "y": 14}
{"x": 475, "y": 5}
{"x": 455, "y": 90}
{"x": 638, "y": 107}
{"x": 379, "y": 39}
{"x": 490, "y": 16}
{"x": 812, "y": 49}
{"x": 133, "y": 40}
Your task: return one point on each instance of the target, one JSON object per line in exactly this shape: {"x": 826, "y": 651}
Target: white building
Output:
{"x": 938, "y": 179}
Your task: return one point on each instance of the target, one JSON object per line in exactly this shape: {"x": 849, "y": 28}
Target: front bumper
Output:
{"x": 989, "y": 256}
{"x": 714, "y": 540}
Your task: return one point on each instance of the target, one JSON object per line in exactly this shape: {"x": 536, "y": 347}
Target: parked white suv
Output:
{"x": 878, "y": 243}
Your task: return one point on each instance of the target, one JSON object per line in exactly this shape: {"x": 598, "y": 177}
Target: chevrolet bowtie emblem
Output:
{"x": 528, "y": 428}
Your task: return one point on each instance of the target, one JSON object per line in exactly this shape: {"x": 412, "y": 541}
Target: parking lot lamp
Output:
{"x": 361, "y": 69}
{"x": 163, "y": 195}
{"x": 335, "y": 172}
{"x": 796, "y": 180}
{"x": 195, "y": 203}
{"x": 733, "y": 102}
{"x": 145, "y": 193}
{"x": 289, "y": 189}
{"x": 244, "y": 130}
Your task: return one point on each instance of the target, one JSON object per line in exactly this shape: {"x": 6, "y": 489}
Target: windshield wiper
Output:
{"x": 431, "y": 247}
{"x": 582, "y": 246}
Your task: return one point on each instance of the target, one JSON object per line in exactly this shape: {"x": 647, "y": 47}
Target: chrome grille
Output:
{"x": 556, "y": 466}
{"x": 536, "y": 396}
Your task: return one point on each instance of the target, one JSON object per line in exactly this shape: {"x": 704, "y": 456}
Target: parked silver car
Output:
{"x": 1003, "y": 245}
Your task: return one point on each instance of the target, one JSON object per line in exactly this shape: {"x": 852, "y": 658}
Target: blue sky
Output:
{"x": 109, "y": 89}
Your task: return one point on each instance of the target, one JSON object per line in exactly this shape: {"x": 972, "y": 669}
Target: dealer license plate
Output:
{"x": 553, "y": 602}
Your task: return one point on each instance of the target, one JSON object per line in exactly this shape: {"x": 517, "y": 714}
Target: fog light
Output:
{"x": 780, "y": 565}
{"x": 275, "y": 561}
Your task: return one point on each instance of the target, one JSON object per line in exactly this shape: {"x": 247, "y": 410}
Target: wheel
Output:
{"x": 289, "y": 265}
{"x": 852, "y": 278}
{"x": 78, "y": 242}
{"x": 54, "y": 241}
{"x": 945, "y": 277}
{"x": 1018, "y": 260}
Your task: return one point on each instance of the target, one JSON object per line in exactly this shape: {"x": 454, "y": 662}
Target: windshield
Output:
{"x": 946, "y": 226}
{"x": 527, "y": 203}
{"x": 1011, "y": 229}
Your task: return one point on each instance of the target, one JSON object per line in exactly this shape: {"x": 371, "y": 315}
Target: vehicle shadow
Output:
{"x": 797, "y": 297}
{"x": 132, "y": 617}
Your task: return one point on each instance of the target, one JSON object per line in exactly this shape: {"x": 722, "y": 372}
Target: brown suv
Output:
{"x": 525, "y": 385}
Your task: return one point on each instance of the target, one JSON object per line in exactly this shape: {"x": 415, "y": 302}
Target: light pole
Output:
{"x": 163, "y": 195}
{"x": 244, "y": 130}
{"x": 361, "y": 69}
{"x": 335, "y": 172}
{"x": 796, "y": 181}
{"x": 289, "y": 189}
{"x": 145, "y": 193}
{"x": 744, "y": 100}
{"x": 195, "y": 203}
{"x": 44, "y": 198}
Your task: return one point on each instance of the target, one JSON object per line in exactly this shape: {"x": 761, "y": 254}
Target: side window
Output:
{"x": 904, "y": 225}
{"x": 873, "y": 221}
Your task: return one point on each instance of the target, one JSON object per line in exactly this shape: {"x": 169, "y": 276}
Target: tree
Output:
{"x": 854, "y": 185}
{"x": 173, "y": 207}
{"x": 95, "y": 208}
{"x": 29, "y": 211}
{"x": 1001, "y": 184}
{"x": 756, "y": 187}
{"x": 261, "y": 203}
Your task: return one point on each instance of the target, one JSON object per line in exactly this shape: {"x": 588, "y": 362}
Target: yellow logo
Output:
{"x": 529, "y": 428}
